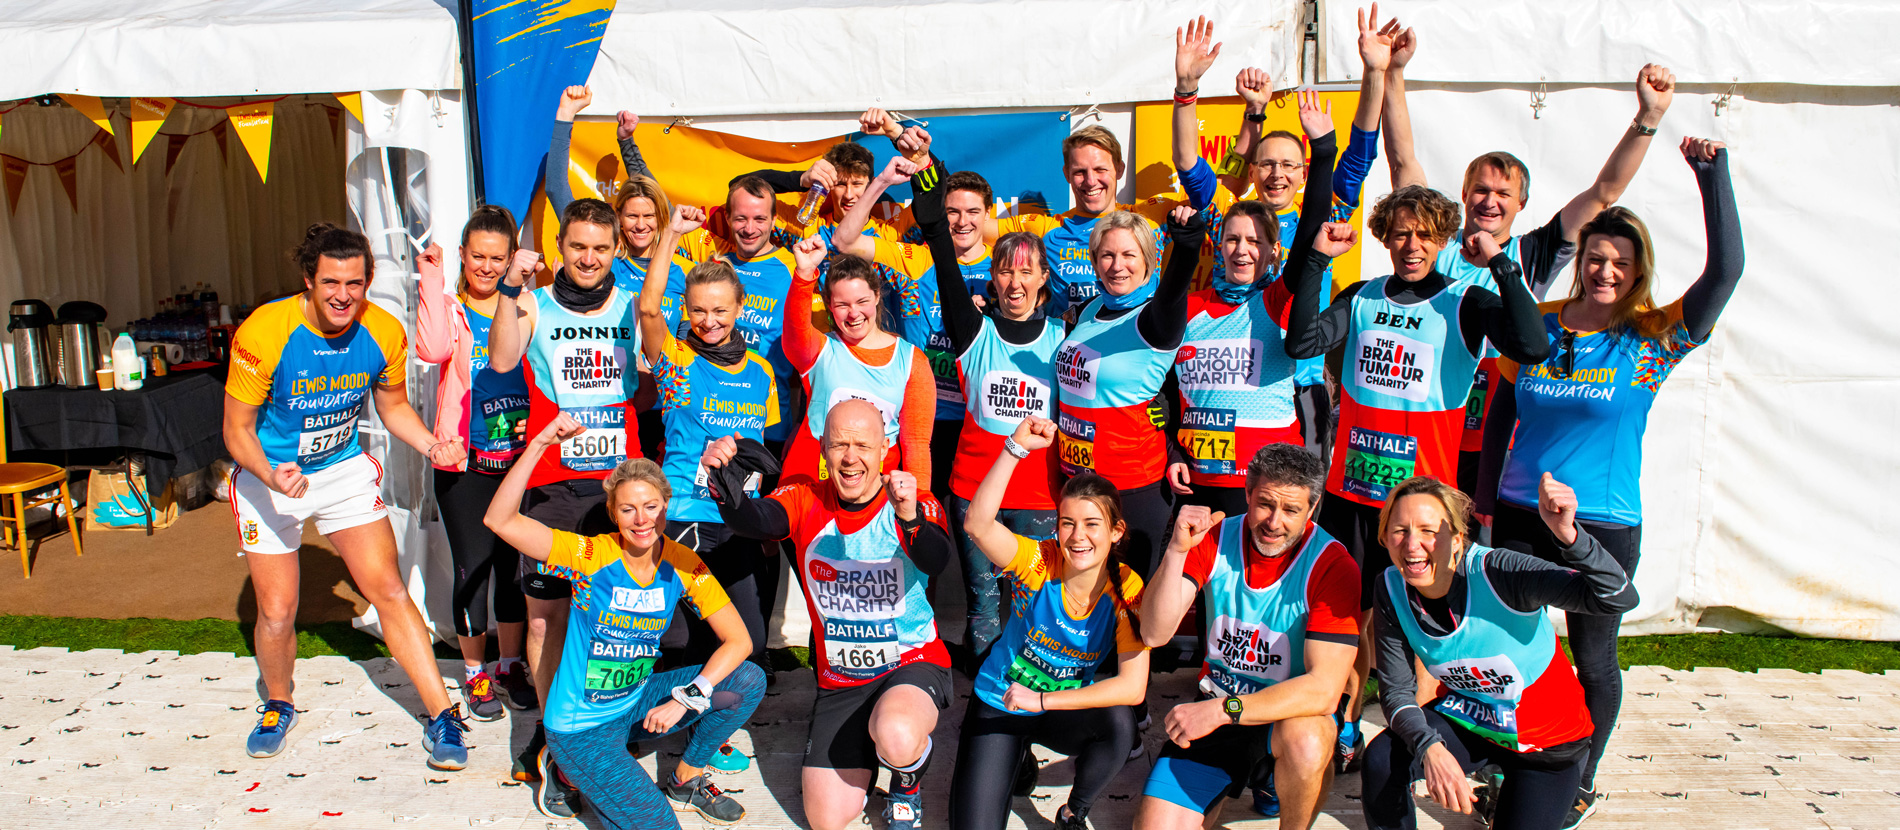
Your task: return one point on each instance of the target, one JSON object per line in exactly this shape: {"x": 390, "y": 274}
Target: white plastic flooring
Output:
{"x": 155, "y": 740}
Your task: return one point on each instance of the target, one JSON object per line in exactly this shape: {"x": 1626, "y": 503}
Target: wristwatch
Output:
{"x": 1642, "y": 130}
{"x": 1232, "y": 707}
{"x": 692, "y": 696}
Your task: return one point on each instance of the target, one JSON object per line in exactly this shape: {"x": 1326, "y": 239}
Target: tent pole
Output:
{"x": 465, "y": 32}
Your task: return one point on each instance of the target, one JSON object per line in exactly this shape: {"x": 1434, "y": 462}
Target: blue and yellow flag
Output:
{"x": 524, "y": 52}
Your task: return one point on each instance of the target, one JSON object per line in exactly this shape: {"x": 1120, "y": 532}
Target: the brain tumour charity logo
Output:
{"x": 823, "y": 572}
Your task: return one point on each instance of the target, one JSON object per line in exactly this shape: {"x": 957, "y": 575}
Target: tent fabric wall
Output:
{"x": 1768, "y": 455}
{"x": 140, "y": 233}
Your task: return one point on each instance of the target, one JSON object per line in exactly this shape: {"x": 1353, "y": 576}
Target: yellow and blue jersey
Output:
{"x": 309, "y": 388}
{"x": 1044, "y": 648}
{"x": 701, "y": 401}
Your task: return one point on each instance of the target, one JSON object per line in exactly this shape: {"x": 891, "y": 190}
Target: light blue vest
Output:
{"x": 1256, "y": 638}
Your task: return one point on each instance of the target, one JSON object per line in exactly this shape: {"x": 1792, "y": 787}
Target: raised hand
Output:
{"x": 686, "y": 219}
{"x": 1193, "y": 54}
{"x": 821, "y": 172}
{"x": 1700, "y": 149}
{"x": 1034, "y": 433}
{"x": 1316, "y": 115}
{"x": 1181, "y": 216}
{"x": 1335, "y": 239}
{"x": 1481, "y": 247}
{"x": 808, "y": 254}
{"x": 1192, "y": 525}
{"x": 914, "y": 143}
{"x": 625, "y": 122}
{"x": 902, "y": 487}
{"x": 525, "y": 265}
{"x": 1404, "y": 44}
{"x": 288, "y": 479}
{"x": 560, "y": 428}
{"x": 1655, "y": 89}
{"x": 876, "y": 121}
{"x": 573, "y": 100}
{"x": 1375, "y": 44}
{"x": 431, "y": 257}
{"x": 898, "y": 171}
{"x": 1254, "y": 85}
{"x": 1557, "y": 506}
{"x": 719, "y": 451}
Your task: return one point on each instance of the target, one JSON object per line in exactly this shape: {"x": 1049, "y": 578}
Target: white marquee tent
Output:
{"x": 1769, "y": 455}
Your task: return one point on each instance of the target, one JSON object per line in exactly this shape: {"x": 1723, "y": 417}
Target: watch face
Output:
{"x": 1233, "y": 706}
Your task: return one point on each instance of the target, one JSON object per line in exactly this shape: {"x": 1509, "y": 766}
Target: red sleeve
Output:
{"x": 1200, "y": 560}
{"x": 932, "y": 510}
{"x": 1279, "y": 302}
{"x": 802, "y": 340}
{"x": 918, "y": 418}
{"x": 796, "y": 498}
{"x": 1332, "y": 593}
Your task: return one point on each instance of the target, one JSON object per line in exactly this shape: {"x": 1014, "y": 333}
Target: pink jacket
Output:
{"x": 443, "y": 338}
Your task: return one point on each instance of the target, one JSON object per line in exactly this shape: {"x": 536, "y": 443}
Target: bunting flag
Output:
{"x": 92, "y": 108}
{"x": 352, "y": 101}
{"x": 174, "y": 144}
{"x": 14, "y": 172}
{"x": 524, "y": 52}
{"x": 110, "y": 144}
{"x": 222, "y": 131}
{"x": 148, "y": 114}
{"x": 252, "y": 122}
{"x": 68, "y": 170}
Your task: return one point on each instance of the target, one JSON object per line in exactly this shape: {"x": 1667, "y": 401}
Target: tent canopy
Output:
{"x": 204, "y": 48}
{"x": 1831, "y": 43}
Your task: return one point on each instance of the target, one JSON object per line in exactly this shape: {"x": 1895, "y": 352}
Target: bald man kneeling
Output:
{"x": 867, "y": 542}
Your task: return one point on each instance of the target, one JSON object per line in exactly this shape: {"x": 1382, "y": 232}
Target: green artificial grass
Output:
{"x": 1741, "y": 652}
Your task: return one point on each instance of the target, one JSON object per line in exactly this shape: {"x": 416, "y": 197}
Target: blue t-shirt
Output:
{"x": 1044, "y": 648}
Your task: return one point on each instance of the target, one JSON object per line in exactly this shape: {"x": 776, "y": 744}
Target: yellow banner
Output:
{"x": 1220, "y": 121}
{"x": 148, "y": 114}
{"x": 92, "y": 108}
{"x": 693, "y": 166}
{"x": 352, "y": 101}
{"x": 252, "y": 122}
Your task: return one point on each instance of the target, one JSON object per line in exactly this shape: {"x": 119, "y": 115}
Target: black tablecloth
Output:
{"x": 176, "y": 421}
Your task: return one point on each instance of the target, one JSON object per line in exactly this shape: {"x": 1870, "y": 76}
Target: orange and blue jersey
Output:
{"x": 615, "y": 623}
{"x": 497, "y": 403}
{"x": 1407, "y": 374}
{"x": 1584, "y": 423}
{"x": 583, "y": 365}
{"x": 700, "y": 402}
{"x": 1065, "y": 246}
{"x": 1004, "y": 383}
{"x": 1502, "y": 675}
{"x": 1108, "y": 417}
{"x": 1044, "y": 648}
{"x": 1236, "y": 382}
{"x": 309, "y": 388}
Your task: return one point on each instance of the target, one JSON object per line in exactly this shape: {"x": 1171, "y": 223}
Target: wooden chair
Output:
{"x": 16, "y": 482}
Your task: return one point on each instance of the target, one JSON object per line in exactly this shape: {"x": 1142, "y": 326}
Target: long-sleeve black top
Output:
{"x": 1511, "y": 321}
{"x": 1702, "y": 304}
{"x": 763, "y": 517}
{"x": 962, "y": 320}
{"x": 554, "y": 168}
{"x": 1593, "y": 584}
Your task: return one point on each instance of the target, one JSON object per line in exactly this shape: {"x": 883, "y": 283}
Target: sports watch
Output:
{"x": 1232, "y": 707}
{"x": 692, "y": 696}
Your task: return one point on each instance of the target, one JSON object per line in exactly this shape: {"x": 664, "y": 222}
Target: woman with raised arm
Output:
{"x": 859, "y": 358}
{"x": 481, "y": 408}
{"x": 1074, "y": 601}
{"x": 1474, "y": 618}
{"x": 1581, "y": 415}
{"x": 606, "y": 696}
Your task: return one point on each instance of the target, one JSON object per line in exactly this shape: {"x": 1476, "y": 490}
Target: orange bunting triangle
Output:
{"x": 148, "y": 114}
{"x": 68, "y": 170}
{"x": 352, "y": 101}
{"x": 252, "y": 122}
{"x": 92, "y": 108}
{"x": 14, "y": 171}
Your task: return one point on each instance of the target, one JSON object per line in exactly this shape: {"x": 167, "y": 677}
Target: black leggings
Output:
{"x": 736, "y": 562}
{"x": 478, "y": 553}
{"x": 993, "y": 742}
{"x": 1539, "y": 787}
{"x": 1146, "y": 510}
{"x": 1592, "y": 636}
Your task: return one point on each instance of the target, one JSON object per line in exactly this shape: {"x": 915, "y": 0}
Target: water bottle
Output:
{"x": 814, "y": 199}
{"x": 126, "y": 367}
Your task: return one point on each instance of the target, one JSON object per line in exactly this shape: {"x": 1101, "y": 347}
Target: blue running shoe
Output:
{"x": 904, "y": 811}
{"x": 268, "y": 738}
{"x": 1266, "y": 800}
{"x": 729, "y": 761}
{"x": 442, "y": 737}
{"x": 1351, "y": 741}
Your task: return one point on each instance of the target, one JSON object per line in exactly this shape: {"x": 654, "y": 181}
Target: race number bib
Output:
{"x": 1377, "y": 461}
{"x": 1075, "y": 444}
{"x": 615, "y": 669}
{"x": 943, "y": 367}
{"x": 602, "y": 445}
{"x": 1494, "y": 720}
{"x": 1035, "y": 672}
{"x": 1474, "y": 402}
{"x": 1208, "y": 437}
{"x": 325, "y": 441}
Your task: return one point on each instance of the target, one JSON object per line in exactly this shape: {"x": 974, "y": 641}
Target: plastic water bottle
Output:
{"x": 814, "y": 199}
{"x": 127, "y": 371}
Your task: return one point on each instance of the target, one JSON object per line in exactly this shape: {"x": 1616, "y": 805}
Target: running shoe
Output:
{"x": 729, "y": 761}
{"x": 442, "y": 738}
{"x": 700, "y": 794}
{"x": 479, "y": 695}
{"x": 1585, "y": 806}
{"x": 1266, "y": 800}
{"x": 555, "y": 798}
{"x": 267, "y": 738}
{"x": 1489, "y": 784}
{"x": 1028, "y": 772}
{"x": 1067, "y": 819}
{"x": 904, "y": 811}
{"x": 517, "y": 688}
{"x": 1351, "y": 742}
